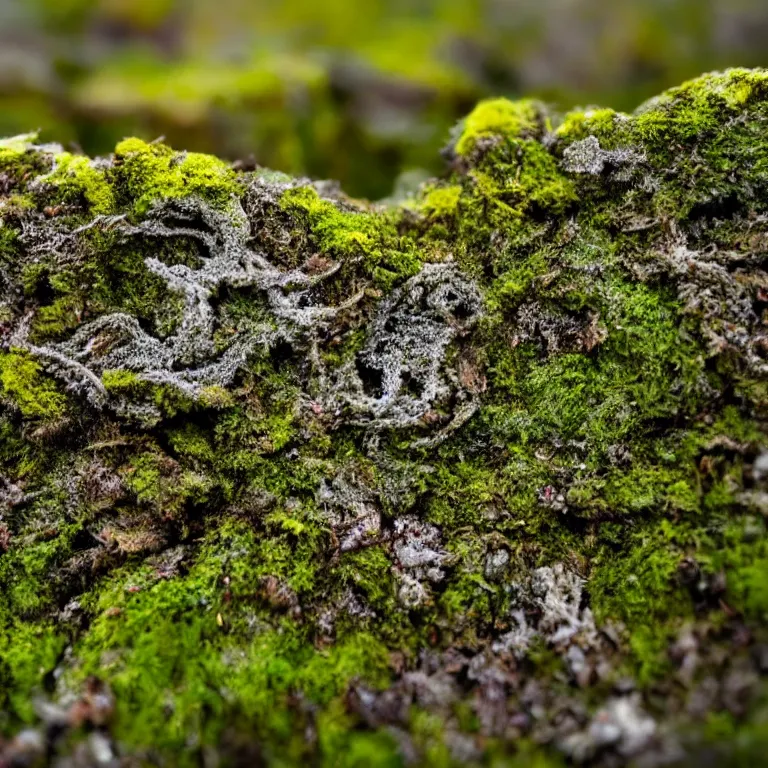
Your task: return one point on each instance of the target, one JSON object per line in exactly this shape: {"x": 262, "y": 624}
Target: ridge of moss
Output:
{"x": 147, "y": 173}
{"x": 499, "y": 117}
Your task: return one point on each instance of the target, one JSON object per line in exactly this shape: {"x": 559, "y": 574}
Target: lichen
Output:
{"x": 475, "y": 478}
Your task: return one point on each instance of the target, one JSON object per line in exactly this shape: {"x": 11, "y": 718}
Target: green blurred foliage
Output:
{"x": 339, "y": 89}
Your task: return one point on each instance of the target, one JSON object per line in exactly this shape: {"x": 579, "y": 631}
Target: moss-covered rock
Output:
{"x": 477, "y": 478}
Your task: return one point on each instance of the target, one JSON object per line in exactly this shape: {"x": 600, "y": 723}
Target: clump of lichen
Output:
{"x": 478, "y": 478}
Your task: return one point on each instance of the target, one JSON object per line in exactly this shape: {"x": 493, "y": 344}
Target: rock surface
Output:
{"x": 475, "y": 479}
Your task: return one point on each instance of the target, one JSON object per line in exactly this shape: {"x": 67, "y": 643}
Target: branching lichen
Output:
{"x": 400, "y": 375}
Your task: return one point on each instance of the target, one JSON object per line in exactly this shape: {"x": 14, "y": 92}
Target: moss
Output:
{"x": 76, "y": 178}
{"x": 642, "y": 589}
{"x": 737, "y": 743}
{"x": 429, "y": 733}
{"x": 577, "y": 125}
{"x": 441, "y": 202}
{"x": 387, "y": 257}
{"x": 146, "y": 173}
{"x": 498, "y": 117}
{"x": 158, "y": 482}
{"x": 368, "y": 572}
{"x": 177, "y": 621}
{"x": 252, "y": 568}
{"x": 364, "y": 749}
{"x": 692, "y": 110}
{"x": 119, "y": 381}
{"x": 524, "y": 177}
{"x": 29, "y": 389}
{"x": 29, "y": 569}
{"x": 529, "y": 755}
{"x": 743, "y": 558}
{"x": 13, "y": 151}
{"x": 192, "y": 441}
{"x": 28, "y": 654}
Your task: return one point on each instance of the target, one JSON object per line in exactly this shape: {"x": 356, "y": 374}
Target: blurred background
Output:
{"x": 364, "y": 91}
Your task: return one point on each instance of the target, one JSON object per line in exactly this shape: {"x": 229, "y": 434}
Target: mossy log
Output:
{"x": 476, "y": 478}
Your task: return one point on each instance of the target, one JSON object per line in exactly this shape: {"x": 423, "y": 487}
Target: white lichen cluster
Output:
{"x": 350, "y": 508}
{"x": 188, "y": 359}
{"x": 623, "y": 727}
{"x": 587, "y": 156}
{"x": 401, "y": 373}
{"x": 414, "y": 546}
{"x": 715, "y": 286}
{"x": 549, "y": 606}
{"x": 419, "y": 557}
{"x": 399, "y": 377}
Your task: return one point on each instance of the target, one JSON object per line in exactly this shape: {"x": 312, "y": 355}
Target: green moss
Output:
{"x": 459, "y": 494}
{"x": 386, "y": 256}
{"x": 498, "y": 117}
{"x": 28, "y": 388}
{"x": 171, "y": 400}
{"x": 429, "y": 733}
{"x": 146, "y": 173}
{"x": 29, "y": 569}
{"x": 604, "y": 395}
{"x": 158, "y": 482}
{"x": 693, "y": 109}
{"x": 78, "y": 178}
{"x": 529, "y": 755}
{"x": 511, "y": 185}
{"x": 145, "y": 640}
{"x": 749, "y": 586}
{"x": 12, "y": 150}
{"x": 641, "y": 588}
{"x": 192, "y": 441}
{"x": 368, "y": 572}
{"x": 208, "y": 545}
{"x": 577, "y": 125}
{"x": 9, "y": 243}
{"x": 441, "y": 202}
{"x": 359, "y": 750}
{"x": 743, "y": 559}
{"x": 120, "y": 381}
{"x": 28, "y": 653}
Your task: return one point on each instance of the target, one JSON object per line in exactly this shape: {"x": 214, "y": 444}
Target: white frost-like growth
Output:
{"x": 188, "y": 358}
{"x": 349, "y": 507}
{"x": 402, "y": 377}
{"x": 419, "y": 557}
{"x": 553, "y": 595}
{"x": 621, "y": 725}
{"x": 587, "y": 156}
{"x": 401, "y": 373}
